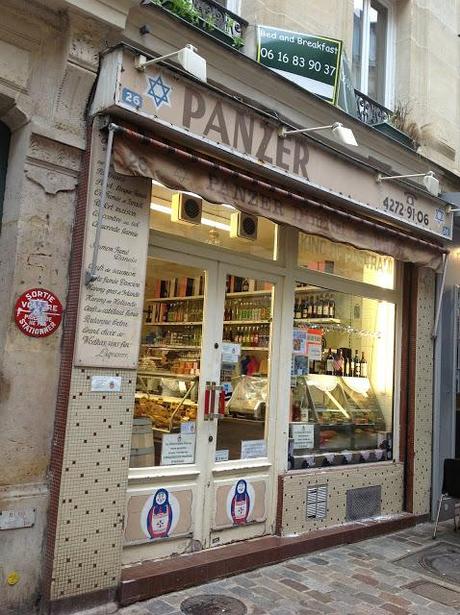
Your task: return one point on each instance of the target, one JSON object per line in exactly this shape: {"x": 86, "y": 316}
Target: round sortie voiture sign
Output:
{"x": 38, "y": 312}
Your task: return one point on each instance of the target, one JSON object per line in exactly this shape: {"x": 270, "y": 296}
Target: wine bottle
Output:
{"x": 245, "y": 285}
{"x": 305, "y": 305}
{"x": 298, "y": 309}
{"x": 319, "y": 307}
{"x": 339, "y": 363}
{"x": 356, "y": 365}
{"x": 363, "y": 367}
{"x": 331, "y": 308}
{"x": 330, "y": 363}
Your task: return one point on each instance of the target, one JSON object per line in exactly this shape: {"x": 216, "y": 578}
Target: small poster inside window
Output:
{"x": 178, "y": 448}
{"x": 299, "y": 342}
{"x": 303, "y": 435}
{"x": 314, "y": 345}
{"x": 253, "y": 448}
{"x": 230, "y": 352}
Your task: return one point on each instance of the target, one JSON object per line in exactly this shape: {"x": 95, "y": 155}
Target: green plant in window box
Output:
{"x": 186, "y": 10}
{"x": 209, "y": 22}
{"x": 238, "y": 42}
{"x": 181, "y": 8}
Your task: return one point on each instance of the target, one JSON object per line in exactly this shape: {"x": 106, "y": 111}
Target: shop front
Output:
{"x": 252, "y": 319}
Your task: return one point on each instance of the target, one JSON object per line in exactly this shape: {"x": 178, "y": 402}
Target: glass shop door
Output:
{"x": 204, "y": 400}
{"x": 239, "y": 408}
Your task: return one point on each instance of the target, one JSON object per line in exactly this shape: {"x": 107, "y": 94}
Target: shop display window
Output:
{"x": 241, "y": 433}
{"x": 319, "y": 254}
{"x": 341, "y": 379}
{"x": 215, "y": 226}
{"x": 164, "y": 429}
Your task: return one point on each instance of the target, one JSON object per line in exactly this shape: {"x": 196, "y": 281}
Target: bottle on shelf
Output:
{"x": 338, "y": 366}
{"x": 326, "y": 306}
{"x": 356, "y": 365}
{"x": 363, "y": 367}
{"x": 330, "y": 363}
{"x": 310, "y": 307}
{"x": 305, "y": 305}
{"x": 298, "y": 309}
{"x": 319, "y": 307}
{"x": 331, "y": 307}
{"x": 245, "y": 285}
{"x": 346, "y": 366}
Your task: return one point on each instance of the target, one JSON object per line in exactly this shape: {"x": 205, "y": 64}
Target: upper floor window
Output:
{"x": 372, "y": 49}
{"x": 231, "y": 5}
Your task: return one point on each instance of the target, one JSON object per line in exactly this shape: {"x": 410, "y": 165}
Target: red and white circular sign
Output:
{"x": 38, "y": 312}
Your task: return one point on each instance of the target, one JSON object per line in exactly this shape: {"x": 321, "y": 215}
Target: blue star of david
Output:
{"x": 159, "y": 91}
{"x": 439, "y": 215}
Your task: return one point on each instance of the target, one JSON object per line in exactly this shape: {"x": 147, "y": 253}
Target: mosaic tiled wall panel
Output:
{"x": 423, "y": 392}
{"x": 295, "y": 484}
{"x": 89, "y": 530}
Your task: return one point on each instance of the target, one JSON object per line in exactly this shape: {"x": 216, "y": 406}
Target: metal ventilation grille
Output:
{"x": 364, "y": 502}
{"x": 317, "y": 502}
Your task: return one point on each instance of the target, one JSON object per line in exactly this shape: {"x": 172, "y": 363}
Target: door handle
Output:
{"x": 214, "y": 401}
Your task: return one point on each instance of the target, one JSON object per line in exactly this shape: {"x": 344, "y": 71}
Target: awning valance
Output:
{"x": 140, "y": 155}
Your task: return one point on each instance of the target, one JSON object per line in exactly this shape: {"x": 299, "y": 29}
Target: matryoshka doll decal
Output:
{"x": 160, "y": 515}
{"x": 240, "y": 503}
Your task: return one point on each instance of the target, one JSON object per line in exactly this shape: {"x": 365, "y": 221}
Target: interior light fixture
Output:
{"x": 186, "y": 57}
{"x": 345, "y": 135}
{"x": 429, "y": 180}
{"x": 162, "y": 209}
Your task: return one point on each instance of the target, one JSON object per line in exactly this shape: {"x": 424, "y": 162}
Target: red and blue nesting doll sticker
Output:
{"x": 160, "y": 514}
{"x": 240, "y": 502}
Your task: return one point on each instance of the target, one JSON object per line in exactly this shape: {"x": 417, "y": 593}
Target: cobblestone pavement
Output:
{"x": 357, "y": 579}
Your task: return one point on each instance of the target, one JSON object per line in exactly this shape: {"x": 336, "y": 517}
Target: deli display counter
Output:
{"x": 335, "y": 420}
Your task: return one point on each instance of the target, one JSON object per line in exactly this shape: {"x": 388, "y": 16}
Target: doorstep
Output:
{"x": 153, "y": 578}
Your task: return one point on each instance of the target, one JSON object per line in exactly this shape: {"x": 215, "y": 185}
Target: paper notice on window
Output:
{"x": 251, "y": 449}
{"x": 230, "y": 352}
{"x": 314, "y": 345}
{"x": 303, "y": 435}
{"x": 188, "y": 427}
{"x": 177, "y": 448}
{"x": 299, "y": 342}
{"x": 222, "y": 455}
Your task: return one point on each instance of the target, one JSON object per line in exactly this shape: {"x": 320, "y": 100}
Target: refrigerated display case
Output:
{"x": 346, "y": 419}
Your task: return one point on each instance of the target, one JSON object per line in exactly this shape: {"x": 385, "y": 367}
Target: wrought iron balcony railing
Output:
{"x": 370, "y": 111}
{"x": 209, "y": 16}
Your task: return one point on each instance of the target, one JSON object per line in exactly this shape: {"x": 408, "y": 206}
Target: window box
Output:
{"x": 210, "y": 17}
{"x": 394, "y": 133}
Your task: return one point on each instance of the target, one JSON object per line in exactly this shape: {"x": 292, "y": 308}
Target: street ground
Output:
{"x": 358, "y": 579}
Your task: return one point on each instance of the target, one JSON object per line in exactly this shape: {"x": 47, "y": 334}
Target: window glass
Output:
{"x": 241, "y": 433}
{"x": 320, "y": 254}
{"x": 377, "y": 51}
{"x": 357, "y": 43}
{"x": 215, "y": 227}
{"x": 342, "y": 379}
{"x": 164, "y": 428}
{"x": 370, "y": 33}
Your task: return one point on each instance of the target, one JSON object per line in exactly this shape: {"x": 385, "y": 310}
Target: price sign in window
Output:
{"x": 313, "y": 62}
